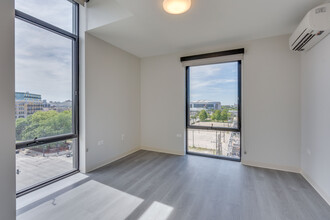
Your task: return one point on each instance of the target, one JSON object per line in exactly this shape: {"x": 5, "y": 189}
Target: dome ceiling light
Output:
{"x": 176, "y": 6}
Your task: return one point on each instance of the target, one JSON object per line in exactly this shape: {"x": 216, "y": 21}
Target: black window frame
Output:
{"x": 74, "y": 36}
{"x": 239, "y": 101}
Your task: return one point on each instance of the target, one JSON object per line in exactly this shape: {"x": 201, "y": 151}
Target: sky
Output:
{"x": 43, "y": 60}
{"x": 44, "y": 63}
{"x": 215, "y": 82}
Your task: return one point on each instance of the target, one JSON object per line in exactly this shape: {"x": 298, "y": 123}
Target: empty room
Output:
{"x": 165, "y": 110}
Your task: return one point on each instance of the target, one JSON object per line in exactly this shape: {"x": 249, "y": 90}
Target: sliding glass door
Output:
{"x": 214, "y": 110}
{"x": 46, "y": 97}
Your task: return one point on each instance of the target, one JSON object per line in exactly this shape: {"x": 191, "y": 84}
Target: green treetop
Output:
{"x": 202, "y": 115}
{"x": 43, "y": 124}
{"x": 224, "y": 115}
{"x": 216, "y": 116}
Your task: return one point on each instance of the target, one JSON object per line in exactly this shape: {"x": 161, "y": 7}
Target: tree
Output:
{"x": 216, "y": 116}
{"x": 224, "y": 115}
{"x": 21, "y": 124}
{"x": 213, "y": 117}
{"x": 193, "y": 117}
{"x": 229, "y": 115}
{"x": 44, "y": 124}
{"x": 202, "y": 115}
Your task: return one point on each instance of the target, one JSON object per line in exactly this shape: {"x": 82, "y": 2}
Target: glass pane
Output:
{"x": 214, "y": 95}
{"x": 43, "y": 83}
{"x": 218, "y": 143}
{"x": 41, "y": 163}
{"x": 55, "y": 12}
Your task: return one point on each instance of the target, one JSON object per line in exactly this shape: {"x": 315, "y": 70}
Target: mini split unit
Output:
{"x": 312, "y": 29}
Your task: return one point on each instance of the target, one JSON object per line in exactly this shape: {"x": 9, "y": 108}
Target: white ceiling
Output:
{"x": 142, "y": 28}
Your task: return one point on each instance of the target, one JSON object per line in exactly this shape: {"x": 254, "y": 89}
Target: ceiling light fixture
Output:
{"x": 176, "y": 6}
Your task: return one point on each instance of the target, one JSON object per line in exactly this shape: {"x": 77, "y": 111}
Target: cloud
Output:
{"x": 210, "y": 83}
{"x": 58, "y": 12}
{"x": 217, "y": 82}
{"x": 208, "y": 70}
{"x": 43, "y": 59}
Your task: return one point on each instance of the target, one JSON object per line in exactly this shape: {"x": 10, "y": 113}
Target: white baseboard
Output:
{"x": 293, "y": 170}
{"x": 133, "y": 151}
{"x": 161, "y": 150}
{"x": 316, "y": 187}
{"x": 271, "y": 166}
{"x": 115, "y": 159}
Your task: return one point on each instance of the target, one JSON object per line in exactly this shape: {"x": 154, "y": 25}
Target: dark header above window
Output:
{"x": 212, "y": 55}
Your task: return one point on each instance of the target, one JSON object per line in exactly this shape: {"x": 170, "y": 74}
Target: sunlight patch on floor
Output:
{"x": 157, "y": 211}
{"x": 90, "y": 200}
{"x": 48, "y": 190}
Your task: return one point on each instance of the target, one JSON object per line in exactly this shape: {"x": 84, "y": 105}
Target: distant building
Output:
{"x": 196, "y": 106}
{"x": 60, "y": 106}
{"x": 26, "y": 104}
{"x": 46, "y": 105}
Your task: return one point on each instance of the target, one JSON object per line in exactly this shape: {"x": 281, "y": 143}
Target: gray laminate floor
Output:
{"x": 155, "y": 186}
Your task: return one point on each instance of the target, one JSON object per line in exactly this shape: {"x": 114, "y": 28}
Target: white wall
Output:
{"x": 103, "y": 12}
{"x": 7, "y": 113}
{"x": 271, "y": 103}
{"x": 315, "y": 106}
{"x": 163, "y": 104}
{"x": 271, "y": 96}
{"x": 112, "y": 102}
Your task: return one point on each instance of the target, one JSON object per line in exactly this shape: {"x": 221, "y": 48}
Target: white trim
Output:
{"x": 115, "y": 159}
{"x": 271, "y": 166}
{"x": 161, "y": 150}
{"x": 243, "y": 147}
{"x": 316, "y": 187}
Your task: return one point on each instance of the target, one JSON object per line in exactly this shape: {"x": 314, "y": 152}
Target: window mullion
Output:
{"x": 42, "y": 24}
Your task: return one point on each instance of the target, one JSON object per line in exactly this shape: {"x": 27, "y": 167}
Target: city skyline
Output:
{"x": 43, "y": 99}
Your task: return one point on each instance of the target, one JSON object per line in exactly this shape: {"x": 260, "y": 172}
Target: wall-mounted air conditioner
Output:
{"x": 312, "y": 29}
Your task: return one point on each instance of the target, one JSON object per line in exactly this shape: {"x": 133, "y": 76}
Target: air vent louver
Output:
{"x": 313, "y": 28}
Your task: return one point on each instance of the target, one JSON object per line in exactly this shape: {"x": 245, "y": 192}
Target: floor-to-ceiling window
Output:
{"x": 46, "y": 91}
{"x": 213, "y": 110}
